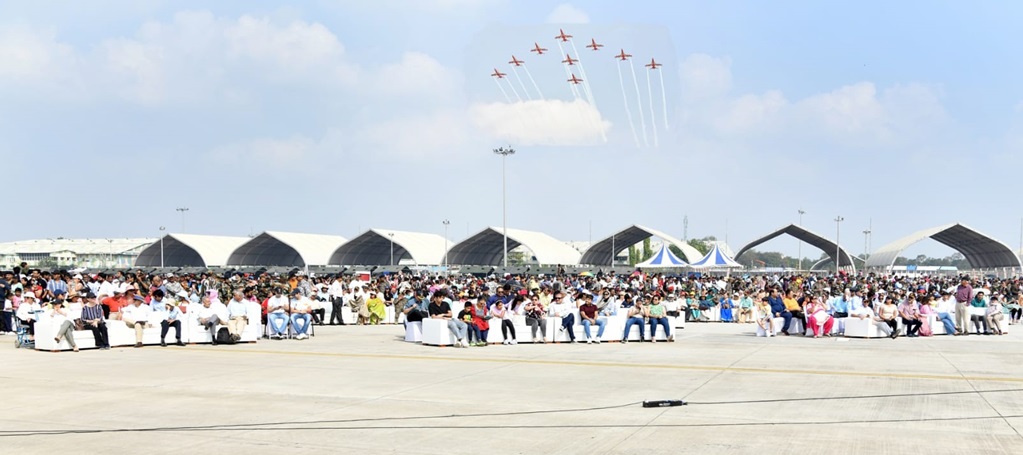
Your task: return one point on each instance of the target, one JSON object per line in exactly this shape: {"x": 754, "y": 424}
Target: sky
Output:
{"x": 334, "y": 117}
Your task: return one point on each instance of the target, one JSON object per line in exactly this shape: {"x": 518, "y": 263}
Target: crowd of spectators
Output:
{"x": 293, "y": 302}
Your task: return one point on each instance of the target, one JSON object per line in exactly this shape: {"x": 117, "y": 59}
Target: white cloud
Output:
{"x": 417, "y": 75}
{"x": 267, "y": 152}
{"x": 705, "y": 77}
{"x": 550, "y": 122}
{"x": 28, "y": 54}
{"x": 752, "y": 112}
{"x": 568, "y": 14}
{"x": 420, "y": 137}
{"x": 297, "y": 45}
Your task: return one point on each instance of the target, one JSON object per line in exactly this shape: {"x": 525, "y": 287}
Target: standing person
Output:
{"x": 92, "y": 319}
{"x": 963, "y": 295}
{"x": 505, "y": 315}
{"x": 563, "y": 310}
{"x": 336, "y": 292}
{"x": 6, "y": 323}
{"x": 536, "y": 317}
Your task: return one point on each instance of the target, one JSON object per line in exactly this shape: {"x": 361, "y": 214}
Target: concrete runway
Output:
{"x": 362, "y": 390}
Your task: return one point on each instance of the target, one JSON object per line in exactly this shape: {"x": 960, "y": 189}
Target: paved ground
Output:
{"x": 359, "y": 389}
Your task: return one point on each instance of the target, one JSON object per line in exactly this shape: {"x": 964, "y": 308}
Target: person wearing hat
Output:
{"x": 136, "y": 316}
{"x": 65, "y": 329}
{"x": 27, "y": 313}
{"x": 277, "y": 307}
{"x": 301, "y": 307}
{"x": 167, "y": 312}
{"x": 92, "y": 320}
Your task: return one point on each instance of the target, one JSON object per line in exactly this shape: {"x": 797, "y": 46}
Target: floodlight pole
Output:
{"x": 391, "y": 235}
{"x": 613, "y": 250}
{"x": 446, "y": 223}
{"x": 838, "y": 236}
{"x": 504, "y": 152}
{"x": 162, "y": 228}
{"x": 182, "y": 210}
{"x": 799, "y": 251}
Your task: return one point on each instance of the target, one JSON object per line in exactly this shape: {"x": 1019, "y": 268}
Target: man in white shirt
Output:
{"x": 336, "y": 293}
{"x": 945, "y": 308}
{"x": 561, "y": 309}
{"x": 277, "y": 307}
{"x": 137, "y": 316}
{"x": 301, "y": 306}
{"x": 27, "y": 312}
{"x": 208, "y": 317}
{"x": 105, "y": 286}
{"x": 166, "y": 311}
{"x": 237, "y": 315}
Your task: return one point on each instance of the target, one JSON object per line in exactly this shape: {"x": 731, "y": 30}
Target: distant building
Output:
{"x": 72, "y": 253}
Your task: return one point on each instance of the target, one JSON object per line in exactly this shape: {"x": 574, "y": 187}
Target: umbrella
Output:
{"x": 586, "y": 273}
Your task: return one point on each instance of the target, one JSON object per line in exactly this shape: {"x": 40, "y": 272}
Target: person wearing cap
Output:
{"x": 137, "y": 316}
{"x": 237, "y": 314}
{"x": 92, "y": 320}
{"x": 65, "y": 328}
{"x": 167, "y": 312}
{"x": 301, "y": 307}
{"x": 27, "y": 312}
{"x": 963, "y": 296}
{"x": 277, "y": 307}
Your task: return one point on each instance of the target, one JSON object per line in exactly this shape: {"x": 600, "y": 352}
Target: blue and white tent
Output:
{"x": 715, "y": 259}
{"x": 664, "y": 258}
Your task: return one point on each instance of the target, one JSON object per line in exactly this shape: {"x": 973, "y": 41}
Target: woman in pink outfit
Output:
{"x": 818, "y": 317}
{"x": 925, "y": 320}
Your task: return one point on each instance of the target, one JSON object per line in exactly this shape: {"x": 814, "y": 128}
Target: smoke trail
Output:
{"x": 537, "y": 87}
{"x": 514, "y": 92}
{"x": 664, "y": 100}
{"x": 650, "y": 97}
{"x": 517, "y": 78}
{"x": 503, "y": 91}
{"x": 588, "y": 90}
{"x": 625, "y": 99}
{"x": 639, "y": 102}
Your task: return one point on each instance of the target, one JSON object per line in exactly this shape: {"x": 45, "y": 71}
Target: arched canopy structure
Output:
{"x": 980, "y": 250}
{"x": 190, "y": 250}
{"x": 487, "y": 248}
{"x": 815, "y": 240}
{"x": 600, "y": 253}
{"x": 374, "y": 247}
{"x": 286, "y": 249}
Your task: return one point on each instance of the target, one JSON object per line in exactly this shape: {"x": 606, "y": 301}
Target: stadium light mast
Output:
{"x": 182, "y": 210}
{"x": 446, "y": 223}
{"x": 162, "y": 228}
{"x": 504, "y": 152}
{"x": 838, "y": 236}
{"x": 799, "y": 250}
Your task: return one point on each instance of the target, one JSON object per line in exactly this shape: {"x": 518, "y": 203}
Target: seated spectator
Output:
{"x": 376, "y": 307}
{"x": 277, "y": 308}
{"x": 780, "y": 310}
{"x": 536, "y": 317}
{"x": 925, "y": 311}
{"x": 910, "y": 314}
{"x": 481, "y": 318}
{"x": 637, "y": 316}
{"x": 887, "y": 314}
{"x": 563, "y": 310}
{"x": 726, "y": 307}
{"x": 169, "y": 317}
{"x": 655, "y": 312}
{"x": 472, "y": 331}
{"x": 27, "y": 313}
{"x": 92, "y": 320}
{"x": 764, "y": 317}
{"x": 318, "y": 311}
{"x": 994, "y": 315}
{"x": 209, "y": 317}
{"x": 793, "y": 307}
{"x": 301, "y": 314}
{"x": 1015, "y": 309}
{"x": 504, "y": 315}
{"x": 945, "y": 308}
{"x": 414, "y": 309}
{"x": 588, "y": 315}
{"x": 237, "y": 315}
{"x": 745, "y": 307}
{"x": 440, "y": 309}
{"x": 136, "y": 316}
{"x": 818, "y": 317}
{"x": 59, "y": 318}
{"x": 979, "y": 320}
{"x": 672, "y": 305}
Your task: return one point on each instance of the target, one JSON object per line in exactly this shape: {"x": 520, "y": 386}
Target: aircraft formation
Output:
{"x": 575, "y": 74}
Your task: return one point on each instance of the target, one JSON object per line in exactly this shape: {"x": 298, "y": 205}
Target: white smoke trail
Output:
{"x": 625, "y": 99}
{"x": 568, "y": 73}
{"x": 639, "y": 102}
{"x": 503, "y": 91}
{"x": 650, "y": 97}
{"x": 537, "y": 87}
{"x": 664, "y": 100}
{"x": 514, "y": 92}
{"x": 517, "y": 78}
{"x": 586, "y": 86}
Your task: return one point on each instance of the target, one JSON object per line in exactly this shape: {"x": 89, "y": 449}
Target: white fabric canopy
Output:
{"x": 664, "y": 258}
{"x": 716, "y": 259}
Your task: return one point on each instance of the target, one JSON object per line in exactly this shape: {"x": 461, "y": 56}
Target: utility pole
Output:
{"x": 446, "y": 223}
{"x": 838, "y": 247}
{"x": 504, "y": 152}
{"x": 182, "y": 210}
{"x": 799, "y": 250}
{"x": 162, "y": 228}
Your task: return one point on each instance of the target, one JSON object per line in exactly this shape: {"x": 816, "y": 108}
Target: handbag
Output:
{"x": 78, "y": 324}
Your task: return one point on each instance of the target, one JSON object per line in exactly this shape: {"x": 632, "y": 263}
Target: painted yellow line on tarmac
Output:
{"x": 864, "y": 374}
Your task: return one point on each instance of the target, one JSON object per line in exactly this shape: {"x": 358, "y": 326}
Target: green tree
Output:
{"x": 647, "y": 251}
{"x": 633, "y": 255}
{"x": 700, "y": 245}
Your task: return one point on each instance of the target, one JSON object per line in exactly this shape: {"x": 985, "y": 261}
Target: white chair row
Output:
{"x": 120, "y": 334}
{"x": 435, "y": 331}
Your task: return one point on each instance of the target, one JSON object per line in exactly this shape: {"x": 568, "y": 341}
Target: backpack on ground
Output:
{"x": 224, "y": 336}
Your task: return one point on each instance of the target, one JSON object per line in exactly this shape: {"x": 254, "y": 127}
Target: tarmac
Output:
{"x": 363, "y": 390}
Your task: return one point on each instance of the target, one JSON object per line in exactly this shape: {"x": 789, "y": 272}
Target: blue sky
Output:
{"x": 333, "y": 117}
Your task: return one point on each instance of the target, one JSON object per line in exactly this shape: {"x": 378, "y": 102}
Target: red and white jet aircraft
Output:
{"x": 575, "y": 80}
{"x": 498, "y": 74}
{"x": 568, "y": 59}
{"x": 623, "y": 56}
{"x": 593, "y": 44}
{"x": 653, "y": 64}
{"x": 539, "y": 50}
{"x": 516, "y": 62}
{"x": 562, "y": 36}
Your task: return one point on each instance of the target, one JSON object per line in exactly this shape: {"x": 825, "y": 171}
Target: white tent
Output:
{"x": 664, "y": 258}
{"x": 716, "y": 259}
